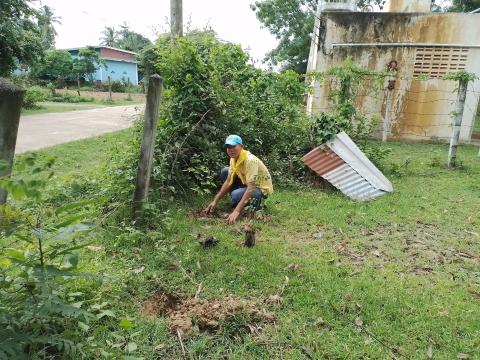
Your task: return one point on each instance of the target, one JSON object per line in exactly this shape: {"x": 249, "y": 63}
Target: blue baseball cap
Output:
{"x": 233, "y": 140}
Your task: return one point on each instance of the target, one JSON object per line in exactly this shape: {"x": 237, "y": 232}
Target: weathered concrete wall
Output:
{"x": 420, "y": 109}
{"x": 408, "y": 6}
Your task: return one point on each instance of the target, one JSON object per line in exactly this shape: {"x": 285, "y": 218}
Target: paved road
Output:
{"x": 40, "y": 131}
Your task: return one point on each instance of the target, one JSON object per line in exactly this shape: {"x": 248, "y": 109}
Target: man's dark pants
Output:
{"x": 238, "y": 190}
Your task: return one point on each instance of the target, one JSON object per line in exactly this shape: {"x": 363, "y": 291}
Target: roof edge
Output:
{"x": 102, "y": 47}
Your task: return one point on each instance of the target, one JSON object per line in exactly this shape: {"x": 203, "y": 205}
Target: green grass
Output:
{"x": 54, "y": 107}
{"x": 386, "y": 279}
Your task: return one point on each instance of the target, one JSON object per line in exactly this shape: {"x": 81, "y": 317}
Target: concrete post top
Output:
{"x": 6, "y": 86}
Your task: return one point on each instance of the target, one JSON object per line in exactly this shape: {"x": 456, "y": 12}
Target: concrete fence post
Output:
{"x": 457, "y": 122}
{"x": 11, "y": 99}
{"x": 152, "y": 107}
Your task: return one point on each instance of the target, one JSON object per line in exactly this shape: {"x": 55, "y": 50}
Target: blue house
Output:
{"x": 120, "y": 64}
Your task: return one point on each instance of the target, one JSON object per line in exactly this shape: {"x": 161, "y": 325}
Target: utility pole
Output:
{"x": 176, "y": 17}
{"x": 457, "y": 121}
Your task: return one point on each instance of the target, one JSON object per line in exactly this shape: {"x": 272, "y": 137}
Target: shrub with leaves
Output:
{"x": 39, "y": 257}
{"x": 69, "y": 98}
{"x": 34, "y": 95}
{"x": 211, "y": 91}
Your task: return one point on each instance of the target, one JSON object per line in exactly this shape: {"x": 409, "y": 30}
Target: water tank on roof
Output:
{"x": 338, "y": 5}
{"x": 408, "y": 6}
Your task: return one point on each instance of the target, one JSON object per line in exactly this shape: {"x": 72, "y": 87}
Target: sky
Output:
{"x": 82, "y": 21}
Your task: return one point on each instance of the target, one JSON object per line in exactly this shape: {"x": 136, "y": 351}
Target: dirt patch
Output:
{"x": 190, "y": 313}
{"x": 201, "y": 216}
{"x": 342, "y": 249}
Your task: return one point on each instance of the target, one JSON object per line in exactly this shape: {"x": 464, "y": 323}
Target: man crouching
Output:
{"x": 246, "y": 179}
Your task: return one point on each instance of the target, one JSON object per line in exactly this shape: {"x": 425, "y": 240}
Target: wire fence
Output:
{"x": 424, "y": 114}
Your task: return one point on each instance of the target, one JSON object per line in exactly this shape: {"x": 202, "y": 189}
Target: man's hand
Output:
{"x": 233, "y": 217}
{"x": 210, "y": 208}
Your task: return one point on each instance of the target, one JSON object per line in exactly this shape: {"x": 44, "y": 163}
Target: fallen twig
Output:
{"x": 187, "y": 275}
{"x": 282, "y": 290}
{"x": 198, "y": 291}
{"x": 181, "y": 343}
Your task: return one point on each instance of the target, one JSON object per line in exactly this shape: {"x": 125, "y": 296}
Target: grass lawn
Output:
{"x": 329, "y": 278}
{"x": 54, "y": 107}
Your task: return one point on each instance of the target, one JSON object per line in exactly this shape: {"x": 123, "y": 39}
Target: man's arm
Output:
{"x": 225, "y": 189}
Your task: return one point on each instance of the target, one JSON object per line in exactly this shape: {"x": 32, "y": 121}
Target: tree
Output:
{"x": 46, "y": 19}
{"x": 87, "y": 62}
{"x": 291, "y": 21}
{"x": 20, "y": 36}
{"x": 57, "y": 66}
{"x": 464, "y": 5}
{"x": 130, "y": 40}
{"x": 110, "y": 37}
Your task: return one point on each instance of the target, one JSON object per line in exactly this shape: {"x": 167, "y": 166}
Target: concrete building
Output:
{"x": 120, "y": 64}
{"x": 421, "y": 45}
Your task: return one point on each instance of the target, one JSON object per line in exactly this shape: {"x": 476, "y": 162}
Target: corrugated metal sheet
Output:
{"x": 354, "y": 175}
{"x": 322, "y": 161}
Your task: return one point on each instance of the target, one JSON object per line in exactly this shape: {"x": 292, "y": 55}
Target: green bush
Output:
{"x": 118, "y": 86}
{"x": 121, "y": 86}
{"x": 34, "y": 95}
{"x": 211, "y": 91}
{"x": 40, "y": 317}
{"x": 69, "y": 98}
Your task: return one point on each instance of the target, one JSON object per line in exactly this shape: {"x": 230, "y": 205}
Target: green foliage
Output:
{"x": 57, "y": 66}
{"x": 464, "y": 5}
{"x": 20, "y": 39}
{"x": 34, "y": 95}
{"x": 87, "y": 62}
{"x": 124, "y": 38}
{"x": 131, "y": 41}
{"x": 46, "y": 19}
{"x": 212, "y": 91}
{"x": 345, "y": 80}
{"x": 69, "y": 98}
{"x": 118, "y": 86}
{"x": 109, "y": 37}
{"x": 38, "y": 313}
{"x": 463, "y": 76}
{"x": 291, "y": 21}
{"x": 37, "y": 94}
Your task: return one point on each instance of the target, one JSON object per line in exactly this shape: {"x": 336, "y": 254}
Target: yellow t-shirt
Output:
{"x": 251, "y": 171}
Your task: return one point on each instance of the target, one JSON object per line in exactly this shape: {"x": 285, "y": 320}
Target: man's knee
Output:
{"x": 237, "y": 195}
{"x": 224, "y": 174}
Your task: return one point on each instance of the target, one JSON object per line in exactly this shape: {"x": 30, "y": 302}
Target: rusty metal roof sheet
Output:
{"x": 344, "y": 165}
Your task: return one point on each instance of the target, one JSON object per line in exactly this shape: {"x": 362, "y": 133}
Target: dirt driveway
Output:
{"x": 40, "y": 131}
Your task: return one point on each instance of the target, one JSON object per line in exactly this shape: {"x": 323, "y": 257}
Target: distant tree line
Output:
{"x": 124, "y": 38}
{"x": 27, "y": 41}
